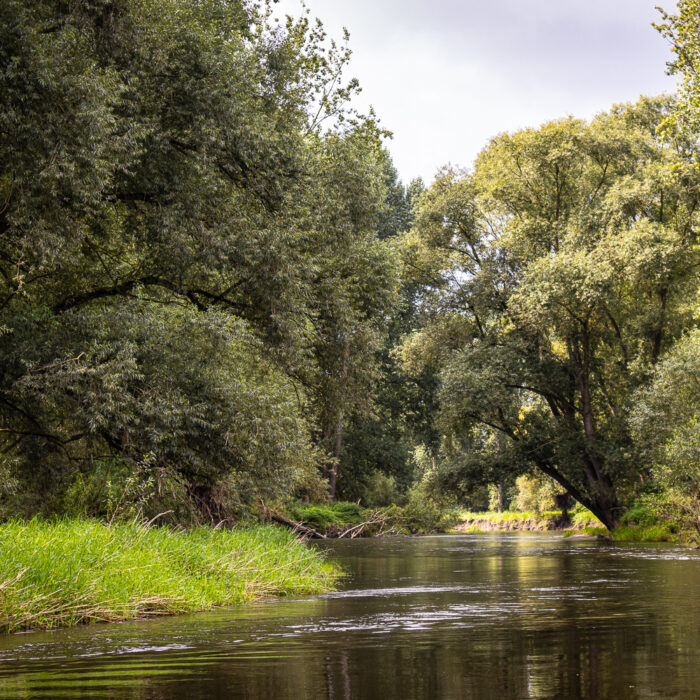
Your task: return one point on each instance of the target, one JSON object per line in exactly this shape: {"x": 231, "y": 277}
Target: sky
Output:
{"x": 448, "y": 75}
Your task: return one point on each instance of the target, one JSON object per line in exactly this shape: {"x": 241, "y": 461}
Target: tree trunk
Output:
{"x": 604, "y": 509}
{"x": 562, "y": 501}
{"x": 333, "y": 477}
{"x": 602, "y": 502}
{"x": 333, "y": 471}
{"x": 603, "y": 498}
{"x": 658, "y": 334}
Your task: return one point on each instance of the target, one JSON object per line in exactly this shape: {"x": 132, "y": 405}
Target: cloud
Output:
{"x": 446, "y": 77}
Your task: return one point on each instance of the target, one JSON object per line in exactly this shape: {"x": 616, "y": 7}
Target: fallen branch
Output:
{"x": 270, "y": 514}
{"x": 356, "y": 530}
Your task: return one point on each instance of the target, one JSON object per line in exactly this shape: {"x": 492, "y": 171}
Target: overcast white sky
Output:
{"x": 445, "y": 76}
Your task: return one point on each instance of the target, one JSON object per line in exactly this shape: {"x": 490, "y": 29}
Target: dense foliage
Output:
{"x": 191, "y": 277}
{"x": 214, "y": 288}
{"x": 557, "y": 275}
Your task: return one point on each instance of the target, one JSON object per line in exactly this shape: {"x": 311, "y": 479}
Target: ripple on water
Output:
{"x": 389, "y": 592}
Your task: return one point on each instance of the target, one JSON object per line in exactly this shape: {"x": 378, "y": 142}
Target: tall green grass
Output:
{"x": 69, "y": 572}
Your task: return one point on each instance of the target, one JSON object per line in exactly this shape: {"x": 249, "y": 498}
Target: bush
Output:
{"x": 644, "y": 511}
{"x": 535, "y": 492}
{"x": 424, "y": 514}
{"x": 676, "y": 509}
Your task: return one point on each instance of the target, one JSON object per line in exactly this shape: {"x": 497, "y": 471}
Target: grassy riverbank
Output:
{"x": 507, "y": 521}
{"x": 583, "y": 522}
{"x": 69, "y": 572}
{"x": 343, "y": 519}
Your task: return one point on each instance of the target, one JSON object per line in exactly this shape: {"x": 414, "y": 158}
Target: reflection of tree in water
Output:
{"x": 345, "y": 686}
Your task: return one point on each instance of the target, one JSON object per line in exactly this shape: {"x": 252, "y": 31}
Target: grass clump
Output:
{"x": 582, "y": 518}
{"x": 588, "y": 530}
{"x": 473, "y": 530}
{"x": 644, "y": 533}
{"x": 70, "y": 572}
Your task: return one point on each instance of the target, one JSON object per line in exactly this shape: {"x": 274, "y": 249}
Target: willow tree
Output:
{"x": 159, "y": 252}
{"x": 556, "y": 274}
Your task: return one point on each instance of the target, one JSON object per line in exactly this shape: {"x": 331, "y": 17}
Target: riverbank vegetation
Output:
{"x": 216, "y": 293}
{"x": 342, "y": 519}
{"x": 68, "y": 572}
{"x": 536, "y": 521}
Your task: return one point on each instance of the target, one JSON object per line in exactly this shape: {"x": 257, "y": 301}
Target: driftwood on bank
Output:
{"x": 350, "y": 532}
{"x": 356, "y": 530}
{"x": 269, "y": 514}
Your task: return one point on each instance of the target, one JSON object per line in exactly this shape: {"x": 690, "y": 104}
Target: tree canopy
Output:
{"x": 188, "y": 240}
{"x": 556, "y": 274}
{"x": 214, "y": 285}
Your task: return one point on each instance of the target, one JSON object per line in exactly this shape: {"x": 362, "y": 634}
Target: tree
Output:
{"x": 665, "y": 424}
{"x": 556, "y": 275}
{"x": 682, "y": 30}
{"x": 354, "y": 285}
{"x": 160, "y": 250}
{"x": 379, "y": 443}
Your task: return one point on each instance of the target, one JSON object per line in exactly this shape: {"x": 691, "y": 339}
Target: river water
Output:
{"x": 463, "y": 616}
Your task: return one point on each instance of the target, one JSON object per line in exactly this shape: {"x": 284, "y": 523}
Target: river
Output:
{"x": 458, "y": 616}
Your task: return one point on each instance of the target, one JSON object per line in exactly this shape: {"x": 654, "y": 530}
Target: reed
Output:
{"x": 68, "y": 572}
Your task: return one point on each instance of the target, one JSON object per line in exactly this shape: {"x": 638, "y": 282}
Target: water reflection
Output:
{"x": 473, "y": 616}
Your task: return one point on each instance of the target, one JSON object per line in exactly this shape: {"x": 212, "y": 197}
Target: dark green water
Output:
{"x": 473, "y": 616}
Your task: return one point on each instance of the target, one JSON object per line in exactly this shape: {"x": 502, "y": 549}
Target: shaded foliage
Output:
{"x": 184, "y": 253}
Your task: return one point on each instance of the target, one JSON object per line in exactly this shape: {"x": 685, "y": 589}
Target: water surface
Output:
{"x": 464, "y": 616}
